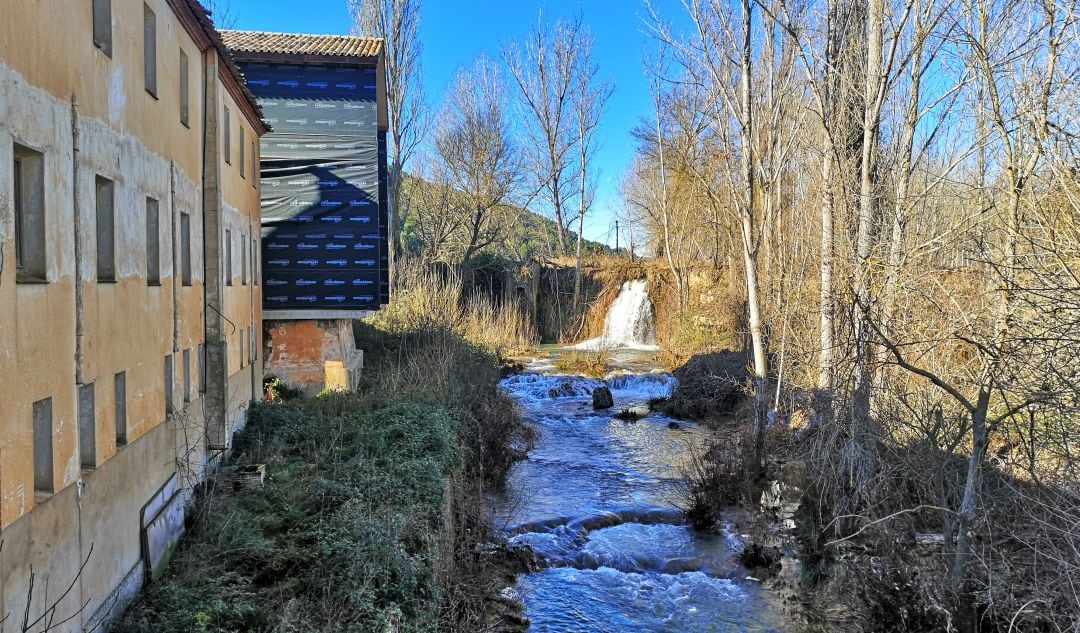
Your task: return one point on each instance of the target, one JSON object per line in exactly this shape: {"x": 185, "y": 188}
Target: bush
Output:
{"x": 340, "y": 538}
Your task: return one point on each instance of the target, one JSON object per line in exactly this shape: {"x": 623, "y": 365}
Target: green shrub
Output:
{"x": 340, "y": 537}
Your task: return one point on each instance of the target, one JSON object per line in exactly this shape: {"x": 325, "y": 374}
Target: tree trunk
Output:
{"x": 825, "y": 310}
{"x": 862, "y": 440}
{"x": 972, "y": 484}
{"x": 746, "y": 212}
{"x": 393, "y": 195}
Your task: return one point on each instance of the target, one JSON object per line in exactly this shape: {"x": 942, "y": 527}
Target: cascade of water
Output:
{"x": 629, "y": 321}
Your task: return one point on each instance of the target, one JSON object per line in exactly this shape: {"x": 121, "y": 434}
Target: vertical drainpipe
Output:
{"x": 217, "y": 432}
{"x": 80, "y": 334}
{"x": 177, "y": 279}
{"x": 256, "y": 390}
{"x": 79, "y": 330}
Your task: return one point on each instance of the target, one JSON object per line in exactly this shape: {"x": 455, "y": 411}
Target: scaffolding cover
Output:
{"x": 323, "y": 188}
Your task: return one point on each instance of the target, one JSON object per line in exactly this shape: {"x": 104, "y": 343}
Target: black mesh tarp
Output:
{"x": 323, "y": 187}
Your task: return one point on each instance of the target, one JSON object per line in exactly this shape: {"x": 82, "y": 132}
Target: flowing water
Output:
{"x": 629, "y": 321}
{"x": 598, "y": 499}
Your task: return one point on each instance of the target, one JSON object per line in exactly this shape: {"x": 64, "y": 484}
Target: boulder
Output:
{"x": 601, "y": 398}
{"x": 711, "y": 387}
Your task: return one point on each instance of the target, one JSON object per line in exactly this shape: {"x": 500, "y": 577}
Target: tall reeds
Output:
{"x": 425, "y": 298}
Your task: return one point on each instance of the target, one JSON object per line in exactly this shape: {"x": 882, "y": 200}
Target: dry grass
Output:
{"x": 594, "y": 364}
{"x": 424, "y": 299}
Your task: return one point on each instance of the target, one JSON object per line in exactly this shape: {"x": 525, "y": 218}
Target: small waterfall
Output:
{"x": 629, "y": 321}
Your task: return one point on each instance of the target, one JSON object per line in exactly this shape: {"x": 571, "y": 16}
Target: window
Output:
{"x": 103, "y": 26}
{"x": 254, "y": 165}
{"x": 150, "y": 50}
{"x": 120, "y": 407}
{"x": 43, "y": 446}
{"x": 168, "y": 384}
{"x": 201, "y": 354}
{"x": 240, "y": 349}
{"x": 28, "y": 175}
{"x": 187, "y": 375}
{"x": 153, "y": 243}
{"x": 241, "y": 152}
{"x": 228, "y": 138}
{"x": 254, "y": 262}
{"x": 106, "y": 256}
{"x": 253, "y": 348}
{"x": 185, "y": 249}
{"x": 243, "y": 260}
{"x": 185, "y": 97}
{"x": 228, "y": 258}
{"x": 87, "y": 427}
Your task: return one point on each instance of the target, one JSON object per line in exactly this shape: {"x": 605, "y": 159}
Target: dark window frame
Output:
{"x": 240, "y": 154}
{"x": 186, "y": 360}
{"x": 17, "y": 197}
{"x": 102, "y": 26}
{"x": 227, "y": 137}
{"x": 150, "y": 51}
{"x": 105, "y": 227}
{"x": 185, "y": 249}
{"x": 228, "y": 258}
{"x": 169, "y": 380}
{"x": 87, "y": 422}
{"x": 120, "y": 419}
{"x": 44, "y": 459}
{"x": 185, "y": 90}
{"x": 153, "y": 242}
{"x": 31, "y": 226}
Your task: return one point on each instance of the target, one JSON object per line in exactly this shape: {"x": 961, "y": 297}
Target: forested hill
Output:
{"x": 442, "y": 224}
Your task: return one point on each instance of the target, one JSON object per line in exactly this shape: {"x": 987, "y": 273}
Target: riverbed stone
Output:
{"x": 601, "y": 398}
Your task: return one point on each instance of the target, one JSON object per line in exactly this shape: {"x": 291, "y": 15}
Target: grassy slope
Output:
{"x": 371, "y": 510}
{"x": 339, "y": 539}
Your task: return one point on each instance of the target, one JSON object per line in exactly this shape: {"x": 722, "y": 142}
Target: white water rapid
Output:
{"x": 629, "y": 321}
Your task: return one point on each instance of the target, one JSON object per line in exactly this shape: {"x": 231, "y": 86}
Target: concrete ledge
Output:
{"x": 306, "y": 315}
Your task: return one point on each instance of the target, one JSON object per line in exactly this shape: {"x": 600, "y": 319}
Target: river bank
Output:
{"x": 600, "y": 506}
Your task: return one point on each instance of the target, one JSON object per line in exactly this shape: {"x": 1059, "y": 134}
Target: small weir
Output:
{"x": 598, "y": 501}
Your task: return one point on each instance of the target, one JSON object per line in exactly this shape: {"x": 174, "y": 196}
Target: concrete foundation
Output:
{"x": 313, "y": 355}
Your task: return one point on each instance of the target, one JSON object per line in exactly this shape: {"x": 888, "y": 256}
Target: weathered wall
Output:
{"x": 47, "y": 60}
{"x": 313, "y": 355}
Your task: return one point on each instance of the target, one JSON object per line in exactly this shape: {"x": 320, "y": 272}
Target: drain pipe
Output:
{"x": 177, "y": 277}
{"x": 256, "y": 388}
{"x": 80, "y": 334}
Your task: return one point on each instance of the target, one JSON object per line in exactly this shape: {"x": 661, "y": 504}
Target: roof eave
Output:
{"x": 305, "y": 58}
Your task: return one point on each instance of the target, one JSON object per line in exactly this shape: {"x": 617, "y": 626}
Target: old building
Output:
{"x": 324, "y": 219}
{"x": 129, "y": 295}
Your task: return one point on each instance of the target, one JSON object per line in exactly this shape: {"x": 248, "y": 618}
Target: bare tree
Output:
{"x": 588, "y": 97}
{"x": 474, "y": 149}
{"x": 544, "y": 67}
{"x": 397, "y": 22}
{"x": 222, "y": 12}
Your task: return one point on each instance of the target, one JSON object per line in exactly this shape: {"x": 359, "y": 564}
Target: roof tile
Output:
{"x": 301, "y": 44}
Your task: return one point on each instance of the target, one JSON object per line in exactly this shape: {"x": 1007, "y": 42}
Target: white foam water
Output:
{"x": 629, "y": 321}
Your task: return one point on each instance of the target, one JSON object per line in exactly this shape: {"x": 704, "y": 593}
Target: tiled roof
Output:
{"x": 300, "y": 44}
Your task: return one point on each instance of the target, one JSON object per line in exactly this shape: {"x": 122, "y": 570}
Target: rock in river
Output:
{"x": 601, "y": 398}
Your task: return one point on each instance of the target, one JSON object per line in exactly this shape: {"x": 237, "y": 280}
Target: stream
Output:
{"x": 598, "y": 499}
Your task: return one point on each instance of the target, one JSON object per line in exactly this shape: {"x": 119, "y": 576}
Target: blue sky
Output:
{"x": 456, "y": 31}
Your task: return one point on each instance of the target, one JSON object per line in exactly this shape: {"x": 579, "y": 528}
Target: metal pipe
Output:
{"x": 80, "y": 333}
